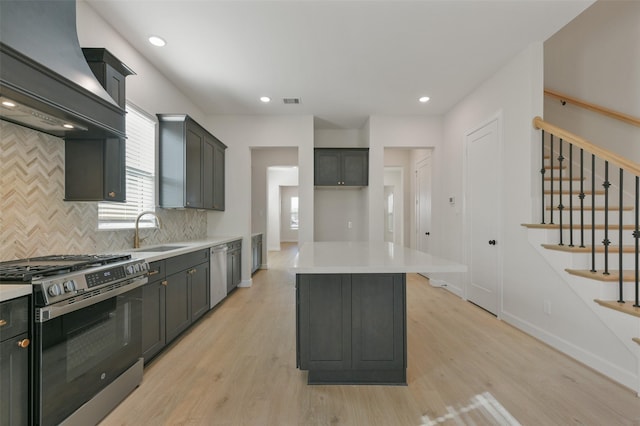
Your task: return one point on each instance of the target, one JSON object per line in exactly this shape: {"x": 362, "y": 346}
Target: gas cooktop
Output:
{"x": 27, "y": 270}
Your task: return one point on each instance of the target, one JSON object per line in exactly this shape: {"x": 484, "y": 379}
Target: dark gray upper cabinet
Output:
{"x": 95, "y": 168}
{"x": 341, "y": 166}
{"x": 192, "y": 163}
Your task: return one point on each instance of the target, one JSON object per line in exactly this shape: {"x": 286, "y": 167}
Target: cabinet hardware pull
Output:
{"x": 154, "y": 272}
{"x": 3, "y": 322}
{"x": 165, "y": 283}
{"x": 112, "y": 194}
{"x": 24, "y": 343}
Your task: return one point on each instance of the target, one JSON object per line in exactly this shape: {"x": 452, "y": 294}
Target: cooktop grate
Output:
{"x": 26, "y": 270}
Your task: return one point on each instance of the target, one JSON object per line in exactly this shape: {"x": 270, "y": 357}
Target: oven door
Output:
{"x": 81, "y": 351}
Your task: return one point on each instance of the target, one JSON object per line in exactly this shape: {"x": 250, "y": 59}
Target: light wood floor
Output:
{"x": 237, "y": 367}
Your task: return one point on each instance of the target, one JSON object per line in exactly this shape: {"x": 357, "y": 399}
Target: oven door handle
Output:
{"x": 50, "y": 312}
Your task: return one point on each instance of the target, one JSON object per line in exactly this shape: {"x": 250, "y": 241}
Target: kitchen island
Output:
{"x": 351, "y": 312}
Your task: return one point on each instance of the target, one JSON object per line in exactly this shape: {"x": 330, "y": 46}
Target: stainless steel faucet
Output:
{"x": 136, "y": 236}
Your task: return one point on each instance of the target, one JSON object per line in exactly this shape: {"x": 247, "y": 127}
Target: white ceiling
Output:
{"x": 346, "y": 60}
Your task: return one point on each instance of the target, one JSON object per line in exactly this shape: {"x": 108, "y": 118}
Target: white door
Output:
{"x": 423, "y": 204}
{"x": 483, "y": 208}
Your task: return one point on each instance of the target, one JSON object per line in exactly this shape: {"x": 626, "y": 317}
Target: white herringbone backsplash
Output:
{"x": 34, "y": 219}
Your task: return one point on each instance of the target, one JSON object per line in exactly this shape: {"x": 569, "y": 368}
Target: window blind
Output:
{"x": 140, "y": 175}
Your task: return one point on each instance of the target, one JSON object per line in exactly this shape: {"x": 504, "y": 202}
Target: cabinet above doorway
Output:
{"x": 192, "y": 164}
{"x": 341, "y": 167}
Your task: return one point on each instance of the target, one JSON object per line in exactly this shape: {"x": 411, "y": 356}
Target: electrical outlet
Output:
{"x": 349, "y": 224}
{"x": 547, "y": 307}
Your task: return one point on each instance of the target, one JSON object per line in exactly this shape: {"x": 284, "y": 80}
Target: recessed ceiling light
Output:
{"x": 424, "y": 99}
{"x": 68, "y": 126}
{"x": 157, "y": 41}
{"x": 265, "y": 99}
{"x": 8, "y": 104}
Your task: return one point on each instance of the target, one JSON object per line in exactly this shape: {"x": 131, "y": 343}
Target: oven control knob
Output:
{"x": 69, "y": 286}
{"x": 143, "y": 266}
{"x": 130, "y": 269}
{"x": 137, "y": 267}
{"x": 54, "y": 290}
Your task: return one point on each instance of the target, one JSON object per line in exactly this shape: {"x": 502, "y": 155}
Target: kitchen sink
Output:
{"x": 160, "y": 248}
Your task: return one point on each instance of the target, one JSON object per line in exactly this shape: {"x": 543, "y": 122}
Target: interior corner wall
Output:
{"x": 528, "y": 281}
{"x": 241, "y": 133}
{"x": 411, "y": 132}
{"x": 596, "y": 57}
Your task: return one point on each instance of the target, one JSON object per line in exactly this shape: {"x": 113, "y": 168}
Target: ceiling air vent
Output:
{"x": 288, "y": 101}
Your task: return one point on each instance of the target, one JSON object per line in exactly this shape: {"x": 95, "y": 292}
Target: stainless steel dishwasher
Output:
{"x": 218, "y": 279}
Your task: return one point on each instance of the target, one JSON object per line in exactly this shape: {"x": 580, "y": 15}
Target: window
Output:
{"x": 140, "y": 176}
{"x": 294, "y": 213}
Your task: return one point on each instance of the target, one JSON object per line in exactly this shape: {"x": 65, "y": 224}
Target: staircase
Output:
{"x": 589, "y": 231}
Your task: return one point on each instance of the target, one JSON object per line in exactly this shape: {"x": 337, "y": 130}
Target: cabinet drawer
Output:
{"x": 157, "y": 270}
{"x": 186, "y": 261}
{"x": 234, "y": 245}
{"x": 14, "y": 317}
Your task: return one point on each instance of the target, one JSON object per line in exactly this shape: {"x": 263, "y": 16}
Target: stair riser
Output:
{"x": 583, "y": 261}
{"x": 628, "y": 217}
{"x": 553, "y": 237}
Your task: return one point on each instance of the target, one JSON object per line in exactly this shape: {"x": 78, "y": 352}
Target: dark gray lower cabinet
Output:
{"x": 14, "y": 362}
{"x": 176, "y": 296}
{"x": 351, "y": 328}
{"x": 234, "y": 264}
{"x": 153, "y": 317}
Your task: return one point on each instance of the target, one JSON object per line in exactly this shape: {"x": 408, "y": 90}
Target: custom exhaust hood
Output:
{"x": 45, "y": 81}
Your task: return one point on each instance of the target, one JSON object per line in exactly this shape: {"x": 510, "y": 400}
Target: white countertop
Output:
{"x": 182, "y": 247}
{"x": 368, "y": 257}
{"x": 11, "y": 291}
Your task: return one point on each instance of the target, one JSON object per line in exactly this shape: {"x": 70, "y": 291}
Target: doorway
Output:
{"x": 423, "y": 203}
{"x": 483, "y": 215}
{"x": 394, "y": 205}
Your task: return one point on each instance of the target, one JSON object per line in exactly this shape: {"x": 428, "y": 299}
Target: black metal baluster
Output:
{"x": 581, "y": 197}
{"x": 551, "y": 185}
{"x": 593, "y": 213}
{"x": 542, "y": 172}
{"x": 620, "y": 277}
{"x": 636, "y": 235}
{"x": 560, "y": 179}
{"x": 606, "y": 241}
{"x": 571, "y": 195}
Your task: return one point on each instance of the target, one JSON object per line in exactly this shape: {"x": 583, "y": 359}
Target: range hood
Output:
{"x": 45, "y": 81}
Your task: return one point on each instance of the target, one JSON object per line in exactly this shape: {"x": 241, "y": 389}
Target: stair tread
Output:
{"x": 587, "y": 249}
{"x": 628, "y": 275}
{"x": 576, "y": 227}
{"x": 627, "y": 307}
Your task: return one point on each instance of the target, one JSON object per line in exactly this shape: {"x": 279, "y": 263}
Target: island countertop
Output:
{"x": 368, "y": 257}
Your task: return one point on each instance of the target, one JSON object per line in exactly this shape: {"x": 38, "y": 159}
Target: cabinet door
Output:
{"x": 199, "y": 277}
{"x": 178, "y": 303}
{"x": 193, "y": 172}
{"x": 207, "y": 174}
{"x": 355, "y": 167}
{"x": 237, "y": 268}
{"x": 115, "y": 85}
{"x": 114, "y": 170}
{"x": 324, "y": 321}
{"x": 230, "y": 285}
{"x": 327, "y": 167}
{"x": 14, "y": 382}
{"x": 378, "y": 319}
{"x": 153, "y": 318}
{"x": 218, "y": 177}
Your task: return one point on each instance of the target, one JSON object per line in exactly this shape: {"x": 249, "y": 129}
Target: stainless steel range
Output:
{"x": 86, "y": 332}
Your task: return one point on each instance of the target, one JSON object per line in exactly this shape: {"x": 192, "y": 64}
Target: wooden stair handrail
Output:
{"x": 629, "y": 119}
{"x": 604, "y": 154}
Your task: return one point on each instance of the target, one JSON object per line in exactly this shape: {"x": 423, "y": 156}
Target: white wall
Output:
{"x": 596, "y": 57}
{"x": 148, "y": 89}
{"x": 241, "y": 134}
{"x": 411, "y": 132}
{"x": 527, "y": 280}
